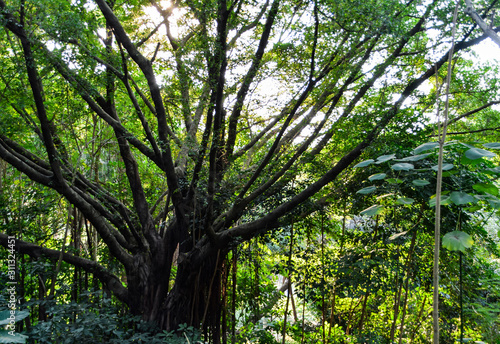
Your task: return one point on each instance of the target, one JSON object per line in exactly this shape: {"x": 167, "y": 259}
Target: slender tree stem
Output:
{"x": 437, "y": 228}
{"x": 461, "y": 300}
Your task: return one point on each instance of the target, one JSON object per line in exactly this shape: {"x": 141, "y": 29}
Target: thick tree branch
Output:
{"x": 479, "y": 21}
{"x": 248, "y": 79}
{"x": 271, "y": 220}
{"x": 112, "y": 282}
{"x": 161, "y": 115}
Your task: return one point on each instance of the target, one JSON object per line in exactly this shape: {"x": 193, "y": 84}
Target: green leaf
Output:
{"x": 397, "y": 235}
{"x": 425, "y": 147}
{"x": 486, "y": 188}
{"x": 364, "y": 163}
{"x": 474, "y": 208}
{"x": 457, "y": 241}
{"x": 415, "y": 157}
{"x": 403, "y": 166}
{"x": 377, "y": 176}
{"x": 385, "y": 195}
{"x": 445, "y": 200}
{"x": 477, "y": 153}
{"x": 384, "y": 158}
{"x": 394, "y": 181}
{"x": 494, "y": 203}
{"x": 446, "y": 167}
{"x": 5, "y": 316}
{"x": 367, "y": 190}
{"x": 405, "y": 200}
{"x": 420, "y": 182}
{"x": 492, "y": 145}
{"x": 373, "y": 210}
{"x": 5, "y": 337}
{"x": 460, "y": 198}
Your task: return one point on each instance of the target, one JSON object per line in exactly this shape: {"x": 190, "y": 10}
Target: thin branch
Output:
{"x": 472, "y": 112}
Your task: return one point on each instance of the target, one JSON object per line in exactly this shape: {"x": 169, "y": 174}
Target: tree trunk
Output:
{"x": 194, "y": 300}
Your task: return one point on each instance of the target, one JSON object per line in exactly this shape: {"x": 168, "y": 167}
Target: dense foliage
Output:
{"x": 234, "y": 171}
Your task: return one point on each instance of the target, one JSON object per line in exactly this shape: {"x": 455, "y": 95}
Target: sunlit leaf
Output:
{"x": 425, "y": 147}
{"x": 403, "y": 166}
{"x": 459, "y": 198}
{"x": 477, "y": 153}
{"x": 385, "y": 195}
{"x": 373, "y": 210}
{"x": 420, "y": 182}
{"x": 405, "y": 200}
{"x": 415, "y": 157}
{"x": 384, "y": 158}
{"x": 446, "y": 167}
{"x": 5, "y": 316}
{"x": 457, "y": 241}
{"x": 377, "y": 176}
{"x": 397, "y": 235}
{"x": 486, "y": 188}
{"x": 474, "y": 208}
{"x": 6, "y": 337}
{"x": 367, "y": 190}
{"x": 394, "y": 181}
{"x": 364, "y": 163}
{"x": 494, "y": 203}
{"x": 445, "y": 200}
{"x": 492, "y": 145}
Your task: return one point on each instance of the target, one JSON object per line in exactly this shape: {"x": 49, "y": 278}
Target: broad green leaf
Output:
{"x": 463, "y": 144}
{"x": 420, "y": 182}
{"x": 377, "y": 176}
{"x": 5, "y": 316}
{"x": 425, "y": 147}
{"x": 384, "y": 158}
{"x": 457, "y": 241}
{"x": 477, "y": 153}
{"x": 492, "y": 145}
{"x": 445, "y": 200}
{"x": 397, "y": 235}
{"x": 403, "y": 166}
{"x": 405, "y": 200}
{"x": 6, "y": 337}
{"x": 367, "y": 190}
{"x": 466, "y": 161}
{"x": 494, "y": 203}
{"x": 364, "y": 163}
{"x": 459, "y": 198}
{"x": 415, "y": 157}
{"x": 394, "y": 181}
{"x": 373, "y": 210}
{"x": 486, "y": 188}
{"x": 446, "y": 167}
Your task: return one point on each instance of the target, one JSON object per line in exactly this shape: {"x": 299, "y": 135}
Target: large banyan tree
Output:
{"x": 174, "y": 128}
